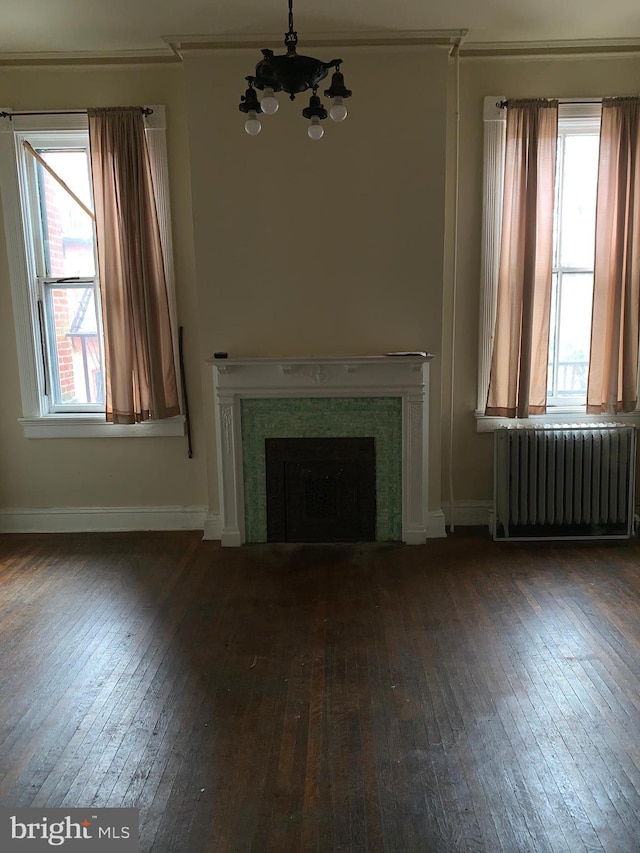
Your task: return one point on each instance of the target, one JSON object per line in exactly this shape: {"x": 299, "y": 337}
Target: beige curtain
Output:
{"x": 518, "y": 380}
{"x": 139, "y": 356}
{"x": 613, "y": 363}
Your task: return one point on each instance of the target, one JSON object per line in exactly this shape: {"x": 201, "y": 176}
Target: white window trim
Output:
{"x": 35, "y": 422}
{"x": 495, "y": 124}
{"x": 94, "y": 426}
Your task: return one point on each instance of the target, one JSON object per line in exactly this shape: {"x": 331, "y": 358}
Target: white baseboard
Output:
{"x": 113, "y": 519}
{"x": 105, "y": 519}
{"x": 436, "y": 526}
{"x": 470, "y": 513}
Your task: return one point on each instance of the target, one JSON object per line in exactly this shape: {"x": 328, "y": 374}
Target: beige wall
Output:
{"x": 302, "y": 248}
{"x": 323, "y": 248}
{"x": 105, "y": 472}
{"x": 574, "y": 78}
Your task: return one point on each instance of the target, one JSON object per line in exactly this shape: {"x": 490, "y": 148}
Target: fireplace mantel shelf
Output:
{"x": 400, "y": 376}
{"x": 353, "y": 359}
{"x": 279, "y": 376}
{"x": 321, "y": 366}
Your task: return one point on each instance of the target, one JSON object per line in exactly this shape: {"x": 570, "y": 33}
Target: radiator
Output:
{"x": 564, "y": 482}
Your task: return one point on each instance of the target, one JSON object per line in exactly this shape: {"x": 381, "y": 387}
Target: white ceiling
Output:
{"x": 106, "y": 26}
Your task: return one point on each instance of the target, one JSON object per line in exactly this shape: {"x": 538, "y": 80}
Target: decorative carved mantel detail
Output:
{"x": 317, "y": 373}
{"x": 226, "y": 418}
{"x": 406, "y": 377}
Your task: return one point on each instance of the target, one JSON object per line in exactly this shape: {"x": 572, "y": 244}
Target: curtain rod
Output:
{"x": 503, "y": 104}
{"x": 144, "y": 110}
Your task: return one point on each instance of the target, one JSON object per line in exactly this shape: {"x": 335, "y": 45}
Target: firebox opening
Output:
{"x": 321, "y": 489}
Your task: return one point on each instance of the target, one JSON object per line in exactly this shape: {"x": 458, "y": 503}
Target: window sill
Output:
{"x": 94, "y": 426}
{"x": 487, "y": 423}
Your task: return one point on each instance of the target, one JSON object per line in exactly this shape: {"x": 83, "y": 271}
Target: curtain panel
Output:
{"x": 613, "y": 362}
{"x": 140, "y": 380}
{"x": 518, "y": 378}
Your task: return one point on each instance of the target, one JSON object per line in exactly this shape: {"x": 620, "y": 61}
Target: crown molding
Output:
{"x": 241, "y": 42}
{"x": 115, "y": 57}
{"x": 176, "y": 46}
{"x": 179, "y": 45}
{"x": 567, "y": 49}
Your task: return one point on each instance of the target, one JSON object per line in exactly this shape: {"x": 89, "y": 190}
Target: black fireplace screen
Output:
{"x": 321, "y": 489}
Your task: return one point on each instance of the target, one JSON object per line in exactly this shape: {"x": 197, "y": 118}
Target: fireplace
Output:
{"x": 383, "y": 399}
{"x": 320, "y": 489}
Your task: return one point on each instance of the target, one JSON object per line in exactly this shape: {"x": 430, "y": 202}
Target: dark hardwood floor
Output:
{"x": 462, "y": 696}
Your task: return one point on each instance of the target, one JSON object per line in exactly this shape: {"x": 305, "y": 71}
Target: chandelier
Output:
{"x": 293, "y": 74}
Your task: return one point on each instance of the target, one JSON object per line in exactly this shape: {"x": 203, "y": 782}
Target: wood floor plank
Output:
{"x": 529, "y": 750}
{"x": 463, "y": 696}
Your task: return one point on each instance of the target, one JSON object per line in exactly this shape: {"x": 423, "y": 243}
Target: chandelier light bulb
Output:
{"x": 315, "y": 129}
{"x": 269, "y": 102}
{"x": 252, "y": 124}
{"x": 337, "y": 110}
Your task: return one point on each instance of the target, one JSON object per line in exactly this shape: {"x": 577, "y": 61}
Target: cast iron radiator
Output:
{"x": 564, "y": 482}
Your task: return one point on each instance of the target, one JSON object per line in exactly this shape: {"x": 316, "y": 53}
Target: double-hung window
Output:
{"x": 59, "y": 226}
{"x": 45, "y": 178}
{"x": 577, "y": 156}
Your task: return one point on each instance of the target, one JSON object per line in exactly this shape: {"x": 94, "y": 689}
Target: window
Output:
{"x": 573, "y": 258}
{"x": 572, "y": 279}
{"x": 46, "y": 187}
{"x": 64, "y": 278}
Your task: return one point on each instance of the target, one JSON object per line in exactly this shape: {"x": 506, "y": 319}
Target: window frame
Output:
{"x": 37, "y": 421}
{"x": 495, "y": 121}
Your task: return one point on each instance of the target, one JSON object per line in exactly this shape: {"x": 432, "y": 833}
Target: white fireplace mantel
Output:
{"x": 404, "y": 376}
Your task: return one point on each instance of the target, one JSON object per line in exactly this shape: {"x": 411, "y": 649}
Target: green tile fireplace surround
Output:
{"x": 324, "y": 417}
{"x": 381, "y": 397}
